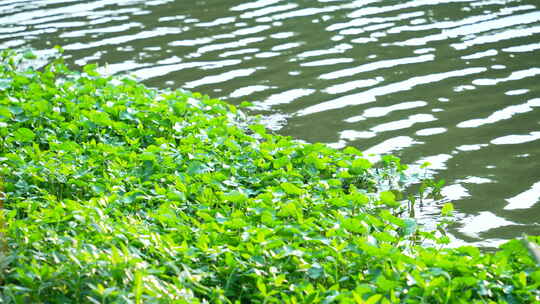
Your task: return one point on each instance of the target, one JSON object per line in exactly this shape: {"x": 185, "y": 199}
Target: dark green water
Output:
{"x": 455, "y": 83}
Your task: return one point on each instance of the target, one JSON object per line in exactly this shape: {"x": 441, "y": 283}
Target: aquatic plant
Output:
{"x": 117, "y": 193}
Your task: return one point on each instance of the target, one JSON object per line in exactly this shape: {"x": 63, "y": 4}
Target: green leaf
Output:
{"x": 176, "y": 195}
{"x": 235, "y": 196}
{"x": 425, "y": 165}
{"x": 410, "y": 227}
{"x": 447, "y": 209}
{"x": 281, "y": 162}
{"x": 24, "y": 135}
{"x": 291, "y": 189}
{"x": 355, "y": 225}
{"x": 245, "y": 104}
{"x": 289, "y": 209}
{"x": 29, "y": 55}
{"x": 196, "y": 167}
{"x": 352, "y": 150}
{"x": 360, "y": 165}
{"x": 522, "y": 278}
{"x": 261, "y": 287}
{"x": 316, "y": 271}
{"x": 360, "y": 198}
{"x": 536, "y": 276}
{"x": 389, "y": 198}
{"x": 5, "y": 113}
{"x": 59, "y": 49}
{"x": 373, "y": 299}
{"x": 90, "y": 69}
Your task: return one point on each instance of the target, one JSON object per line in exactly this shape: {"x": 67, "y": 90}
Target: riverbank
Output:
{"x": 115, "y": 192}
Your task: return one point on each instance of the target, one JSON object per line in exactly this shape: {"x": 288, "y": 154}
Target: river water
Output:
{"x": 455, "y": 83}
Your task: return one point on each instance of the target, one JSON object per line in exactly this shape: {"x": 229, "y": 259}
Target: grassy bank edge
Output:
{"x": 306, "y": 224}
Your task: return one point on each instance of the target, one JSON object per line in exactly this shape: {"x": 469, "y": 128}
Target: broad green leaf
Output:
{"x": 90, "y": 69}
{"x": 291, "y": 189}
{"x": 352, "y": 150}
{"x": 29, "y": 55}
{"x": 360, "y": 165}
{"x": 373, "y": 299}
{"x": 281, "y": 162}
{"x": 288, "y": 209}
{"x": 355, "y": 225}
{"x": 360, "y": 198}
{"x": 389, "y": 198}
{"x": 410, "y": 227}
{"x": 316, "y": 271}
{"x": 24, "y": 135}
{"x": 235, "y": 196}
{"x": 196, "y": 167}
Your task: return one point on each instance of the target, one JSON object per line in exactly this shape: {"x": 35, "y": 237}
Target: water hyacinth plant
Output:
{"x": 117, "y": 193}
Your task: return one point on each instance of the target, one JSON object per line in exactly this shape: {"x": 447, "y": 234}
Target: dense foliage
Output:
{"x": 116, "y": 193}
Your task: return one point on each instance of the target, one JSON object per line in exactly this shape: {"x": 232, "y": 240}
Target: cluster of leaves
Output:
{"x": 116, "y": 193}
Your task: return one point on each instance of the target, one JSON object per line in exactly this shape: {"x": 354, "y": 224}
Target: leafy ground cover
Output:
{"x": 116, "y": 193}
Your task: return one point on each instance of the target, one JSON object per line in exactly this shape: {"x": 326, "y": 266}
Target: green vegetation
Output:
{"x": 116, "y": 193}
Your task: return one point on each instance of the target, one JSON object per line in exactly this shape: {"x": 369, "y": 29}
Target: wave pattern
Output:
{"x": 455, "y": 83}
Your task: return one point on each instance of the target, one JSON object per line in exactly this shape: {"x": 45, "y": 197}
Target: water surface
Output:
{"x": 455, "y": 83}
